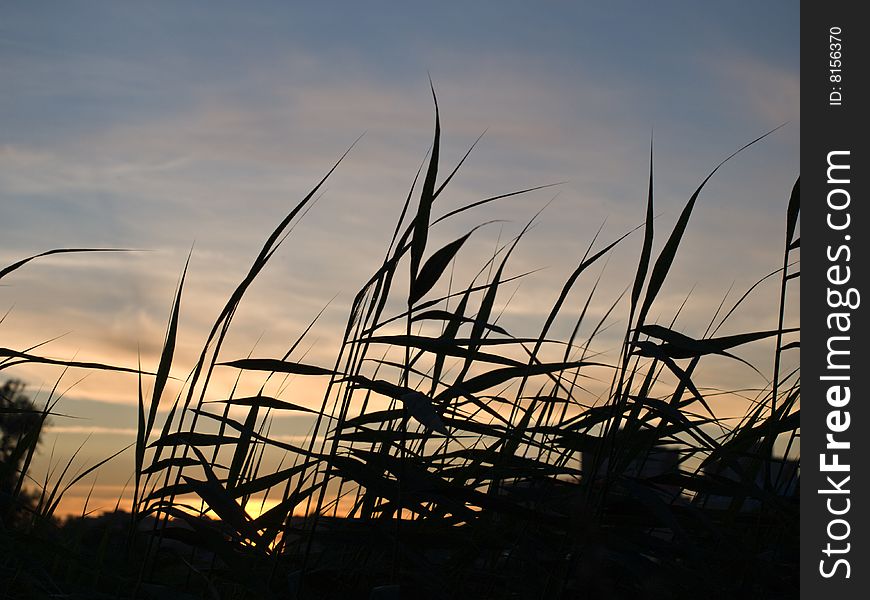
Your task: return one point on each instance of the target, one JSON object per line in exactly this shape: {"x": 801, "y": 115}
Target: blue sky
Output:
{"x": 162, "y": 125}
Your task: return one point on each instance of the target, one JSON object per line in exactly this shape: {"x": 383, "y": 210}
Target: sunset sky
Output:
{"x": 166, "y": 126}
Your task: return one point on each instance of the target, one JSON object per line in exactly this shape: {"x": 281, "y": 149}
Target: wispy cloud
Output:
{"x": 767, "y": 90}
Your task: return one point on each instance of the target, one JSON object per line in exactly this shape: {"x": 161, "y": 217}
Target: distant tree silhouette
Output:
{"x": 18, "y": 416}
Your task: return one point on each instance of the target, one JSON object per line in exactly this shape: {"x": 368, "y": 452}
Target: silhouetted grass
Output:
{"x": 492, "y": 472}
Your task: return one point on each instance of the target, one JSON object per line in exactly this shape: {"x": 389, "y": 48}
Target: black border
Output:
{"x": 826, "y": 128}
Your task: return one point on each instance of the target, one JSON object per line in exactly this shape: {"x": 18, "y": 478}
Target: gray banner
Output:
{"x": 833, "y": 284}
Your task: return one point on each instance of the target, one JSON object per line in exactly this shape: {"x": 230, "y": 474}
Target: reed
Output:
{"x": 448, "y": 457}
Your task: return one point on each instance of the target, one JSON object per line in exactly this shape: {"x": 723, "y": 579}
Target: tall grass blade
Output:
{"x": 427, "y": 196}
{"x": 17, "y": 265}
{"x": 277, "y": 366}
{"x": 646, "y": 250}
{"x": 435, "y": 267}
{"x": 669, "y": 251}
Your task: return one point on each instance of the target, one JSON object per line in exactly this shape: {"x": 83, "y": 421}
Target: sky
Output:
{"x": 167, "y": 127}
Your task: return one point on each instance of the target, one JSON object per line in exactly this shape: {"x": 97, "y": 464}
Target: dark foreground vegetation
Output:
{"x": 448, "y": 458}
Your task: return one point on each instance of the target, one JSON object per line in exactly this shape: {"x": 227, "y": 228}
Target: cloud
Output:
{"x": 91, "y": 430}
{"x": 769, "y": 91}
